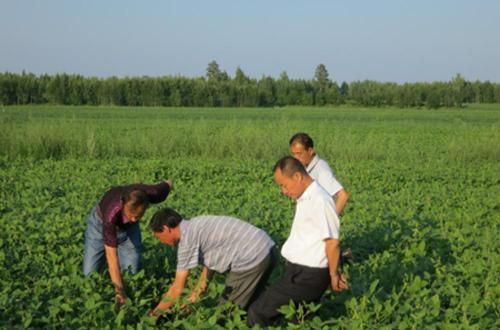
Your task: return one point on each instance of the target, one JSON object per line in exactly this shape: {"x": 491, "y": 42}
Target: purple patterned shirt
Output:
{"x": 110, "y": 207}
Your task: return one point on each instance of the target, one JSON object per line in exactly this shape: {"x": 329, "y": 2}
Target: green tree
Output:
{"x": 433, "y": 101}
{"x": 267, "y": 92}
{"x": 8, "y": 88}
{"x": 321, "y": 84}
{"x": 458, "y": 87}
{"x": 214, "y": 73}
{"x": 240, "y": 87}
{"x": 486, "y": 92}
{"x": 321, "y": 77}
{"x": 344, "y": 89}
{"x": 283, "y": 90}
{"x": 496, "y": 93}
{"x": 26, "y": 88}
{"x": 240, "y": 78}
{"x": 332, "y": 94}
{"x": 58, "y": 89}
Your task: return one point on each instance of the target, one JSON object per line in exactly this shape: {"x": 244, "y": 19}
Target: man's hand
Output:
{"x": 339, "y": 282}
{"x": 170, "y": 184}
{"x": 153, "y": 313}
{"x": 193, "y": 297}
{"x": 201, "y": 286}
{"x": 173, "y": 293}
{"x": 120, "y": 297}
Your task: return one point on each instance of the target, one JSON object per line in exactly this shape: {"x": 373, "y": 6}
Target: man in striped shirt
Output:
{"x": 217, "y": 243}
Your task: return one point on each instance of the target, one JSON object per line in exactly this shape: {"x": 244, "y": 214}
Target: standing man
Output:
{"x": 220, "y": 243}
{"x": 312, "y": 249}
{"x": 302, "y": 148}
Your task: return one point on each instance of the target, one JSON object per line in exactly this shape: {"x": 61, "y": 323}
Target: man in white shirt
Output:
{"x": 311, "y": 251}
{"x": 302, "y": 148}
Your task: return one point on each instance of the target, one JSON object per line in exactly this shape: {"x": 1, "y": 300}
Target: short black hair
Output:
{"x": 289, "y": 165}
{"x": 302, "y": 138}
{"x": 165, "y": 217}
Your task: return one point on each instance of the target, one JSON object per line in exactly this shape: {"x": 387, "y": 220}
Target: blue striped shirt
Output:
{"x": 221, "y": 243}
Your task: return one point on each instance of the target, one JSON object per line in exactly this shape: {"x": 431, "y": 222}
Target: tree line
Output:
{"x": 218, "y": 89}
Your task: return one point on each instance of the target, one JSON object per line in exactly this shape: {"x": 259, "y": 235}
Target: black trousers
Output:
{"x": 300, "y": 284}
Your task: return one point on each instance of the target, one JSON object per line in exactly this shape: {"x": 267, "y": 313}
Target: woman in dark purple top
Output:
{"x": 113, "y": 232}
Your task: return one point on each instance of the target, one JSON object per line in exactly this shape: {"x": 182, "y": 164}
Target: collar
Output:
{"x": 184, "y": 226}
{"x": 307, "y": 193}
{"x": 313, "y": 163}
{"x": 119, "y": 208}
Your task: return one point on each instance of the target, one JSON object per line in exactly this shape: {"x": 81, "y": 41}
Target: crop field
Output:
{"x": 423, "y": 219}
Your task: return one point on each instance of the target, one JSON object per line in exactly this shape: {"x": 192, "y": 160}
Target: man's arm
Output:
{"x": 115, "y": 274}
{"x": 157, "y": 193}
{"x": 173, "y": 293}
{"x": 332, "y": 249}
{"x": 202, "y": 284}
{"x": 341, "y": 198}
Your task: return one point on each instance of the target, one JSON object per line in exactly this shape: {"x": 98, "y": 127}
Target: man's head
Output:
{"x": 302, "y": 148}
{"x": 165, "y": 226}
{"x": 291, "y": 176}
{"x": 135, "y": 203}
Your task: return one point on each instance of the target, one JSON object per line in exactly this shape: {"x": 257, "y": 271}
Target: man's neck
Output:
{"x": 311, "y": 160}
{"x": 307, "y": 182}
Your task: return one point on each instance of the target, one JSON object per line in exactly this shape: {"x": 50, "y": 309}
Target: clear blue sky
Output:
{"x": 383, "y": 40}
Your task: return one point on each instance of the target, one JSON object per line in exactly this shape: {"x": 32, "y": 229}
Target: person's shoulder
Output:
{"x": 112, "y": 195}
{"x": 323, "y": 164}
{"x": 319, "y": 193}
{"x": 319, "y": 200}
{"x": 203, "y": 217}
{"x": 200, "y": 221}
{"x": 115, "y": 189}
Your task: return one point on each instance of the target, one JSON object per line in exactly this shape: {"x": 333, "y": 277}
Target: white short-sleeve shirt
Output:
{"x": 319, "y": 170}
{"x": 315, "y": 220}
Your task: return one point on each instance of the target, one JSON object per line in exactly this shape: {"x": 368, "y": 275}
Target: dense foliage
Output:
{"x": 422, "y": 221}
{"x": 218, "y": 89}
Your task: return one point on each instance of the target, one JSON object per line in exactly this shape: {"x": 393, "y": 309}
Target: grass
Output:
{"x": 422, "y": 220}
{"x": 349, "y": 134}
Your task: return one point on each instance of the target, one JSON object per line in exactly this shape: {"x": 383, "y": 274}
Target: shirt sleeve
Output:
{"x": 328, "y": 181}
{"x": 327, "y": 221}
{"x": 109, "y": 233}
{"x": 157, "y": 193}
{"x": 188, "y": 254}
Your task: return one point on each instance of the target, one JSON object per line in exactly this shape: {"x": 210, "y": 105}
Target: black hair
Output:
{"x": 288, "y": 166}
{"x": 136, "y": 198}
{"x": 164, "y": 217}
{"x": 304, "y": 139}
